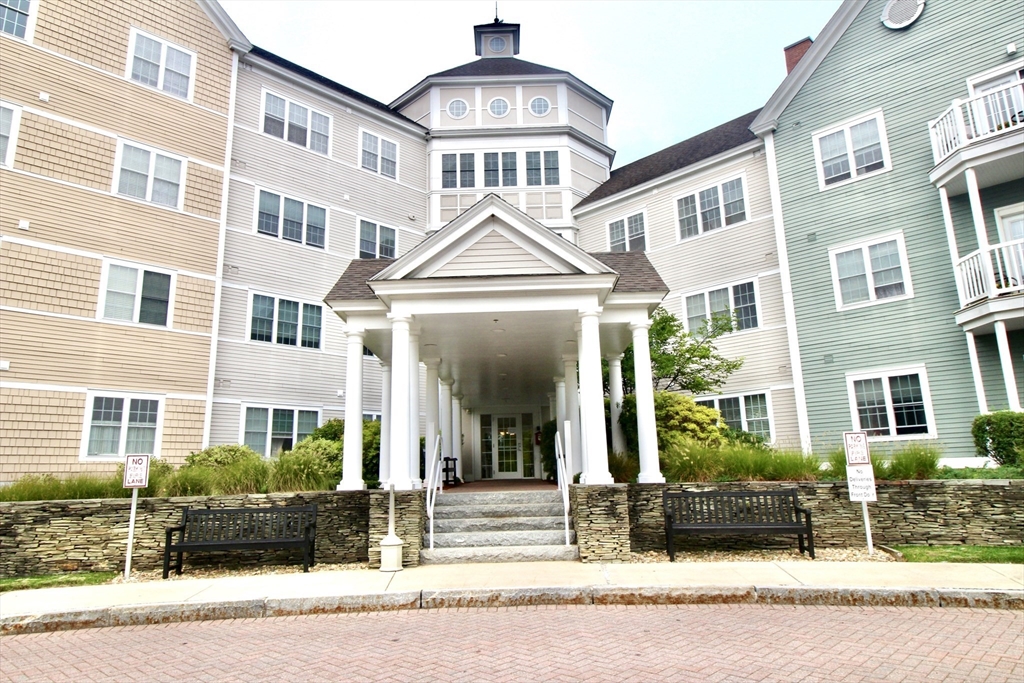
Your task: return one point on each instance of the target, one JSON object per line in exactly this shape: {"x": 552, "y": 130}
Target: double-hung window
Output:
{"x": 712, "y": 208}
{"x": 891, "y": 404}
{"x": 736, "y": 302}
{"x": 508, "y": 169}
{"x": 491, "y": 170}
{"x": 121, "y": 424}
{"x": 269, "y": 430}
{"x": 851, "y": 150}
{"x": 749, "y": 413}
{"x": 156, "y": 63}
{"x": 870, "y": 272}
{"x": 627, "y": 234}
{"x": 376, "y": 241}
{"x": 458, "y": 170}
{"x": 17, "y": 17}
{"x": 546, "y": 174}
{"x": 296, "y": 123}
{"x": 291, "y": 219}
{"x": 137, "y": 295}
{"x": 380, "y": 155}
{"x": 286, "y": 322}
{"x": 10, "y": 117}
{"x": 149, "y": 175}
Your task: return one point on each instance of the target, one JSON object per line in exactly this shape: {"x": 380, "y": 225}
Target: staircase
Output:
{"x": 512, "y": 526}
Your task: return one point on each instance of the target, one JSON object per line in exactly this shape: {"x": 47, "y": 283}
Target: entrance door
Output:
{"x": 507, "y": 447}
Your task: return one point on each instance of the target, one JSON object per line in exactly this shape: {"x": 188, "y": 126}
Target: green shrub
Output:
{"x": 685, "y": 461}
{"x": 218, "y": 456}
{"x": 301, "y": 471}
{"x": 677, "y": 418}
{"x": 48, "y": 487}
{"x": 332, "y": 430}
{"x": 794, "y": 466}
{"x": 837, "y": 465}
{"x": 330, "y": 451}
{"x": 624, "y": 467}
{"x": 915, "y": 461}
{"x": 1000, "y": 436}
{"x": 194, "y": 480}
{"x": 247, "y": 475}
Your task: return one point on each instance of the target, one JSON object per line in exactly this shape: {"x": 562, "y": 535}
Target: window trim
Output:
{"x": 529, "y": 107}
{"x": 305, "y": 210}
{"x": 884, "y": 374}
{"x": 864, "y": 244}
{"x": 743, "y": 407}
{"x": 695, "y": 193}
{"x": 309, "y": 122}
{"x": 1000, "y": 214}
{"x": 378, "y": 172}
{"x": 625, "y": 218}
{"x": 319, "y": 410}
{"x": 846, "y": 126}
{"x": 459, "y": 170}
{"x": 119, "y": 158}
{"x": 732, "y": 303}
{"x": 105, "y": 278}
{"x": 30, "y": 23}
{"x": 133, "y": 36}
{"x": 359, "y": 223}
{"x": 12, "y": 140}
{"x": 508, "y": 107}
{"x": 273, "y": 343}
{"x": 91, "y": 395}
{"x": 1002, "y": 70}
{"x": 448, "y": 108}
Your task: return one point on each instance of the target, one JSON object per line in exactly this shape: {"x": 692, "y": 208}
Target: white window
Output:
{"x": 737, "y": 302}
{"x": 291, "y": 219}
{"x": 284, "y": 321}
{"x": 149, "y": 175}
{"x": 870, "y": 272}
{"x": 540, "y": 106}
{"x": 627, "y": 234}
{"x": 10, "y": 119}
{"x": 18, "y": 18}
{"x": 137, "y": 294}
{"x": 269, "y": 430}
{"x": 296, "y": 123}
{"x": 749, "y": 413}
{"x": 498, "y": 107}
{"x": 892, "y": 404}
{"x": 371, "y": 417}
{"x": 497, "y": 44}
{"x": 711, "y": 208}
{"x": 380, "y": 155}
{"x": 546, "y": 174}
{"x": 119, "y": 424}
{"x": 154, "y": 62}
{"x": 1010, "y": 220}
{"x": 458, "y": 108}
{"x": 458, "y": 170}
{"x": 851, "y": 150}
{"x": 377, "y": 241}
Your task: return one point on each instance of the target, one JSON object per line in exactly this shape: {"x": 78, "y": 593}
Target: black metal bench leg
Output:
{"x": 177, "y": 569}
{"x": 670, "y": 542}
{"x": 800, "y": 538}
{"x": 810, "y": 542}
{"x": 167, "y": 561}
{"x": 305, "y": 558}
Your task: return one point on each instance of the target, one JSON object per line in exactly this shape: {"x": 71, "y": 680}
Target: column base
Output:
{"x": 399, "y": 484}
{"x": 351, "y": 485}
{"x": 595, "y": 479}
{"x": 650, "y": 478}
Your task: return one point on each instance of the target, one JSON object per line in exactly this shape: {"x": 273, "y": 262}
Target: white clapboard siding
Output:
{"x": 495, "y": 254}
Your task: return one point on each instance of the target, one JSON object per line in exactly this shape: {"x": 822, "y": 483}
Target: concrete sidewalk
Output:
{"x": 512, "y": 584}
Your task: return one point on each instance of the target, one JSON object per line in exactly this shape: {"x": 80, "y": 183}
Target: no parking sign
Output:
{"x": 860, "y": 476}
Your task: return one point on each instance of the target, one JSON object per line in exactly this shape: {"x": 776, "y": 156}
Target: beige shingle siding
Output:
{"x": 183, "y": 429}
{"x": 45, "y": 280}
{"x": 193, "y": 304}
{"x": 97, "y": 33}
{"x": 203, "y": 187}
{"x": 42, "y": 431}
{"x": 65, "y": 152}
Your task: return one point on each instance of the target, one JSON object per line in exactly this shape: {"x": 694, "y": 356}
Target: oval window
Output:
{"x": 497, "y": 44}
{"x": 498, "y": 107}
{"x": 458, "y": 109}
{"x": 540, "y": 106}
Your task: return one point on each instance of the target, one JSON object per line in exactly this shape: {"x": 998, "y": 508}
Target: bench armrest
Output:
{"x": 169, "y": 531}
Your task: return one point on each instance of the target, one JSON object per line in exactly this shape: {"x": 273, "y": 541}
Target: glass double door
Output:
{"x": 507, "y": 447}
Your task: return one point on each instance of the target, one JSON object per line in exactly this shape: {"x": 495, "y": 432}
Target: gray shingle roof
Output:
{"x": 352, "y": 283}
{"x": 499, "y": 66}
{"x": 636, "y": 273}
{"x": 680, "y": 155}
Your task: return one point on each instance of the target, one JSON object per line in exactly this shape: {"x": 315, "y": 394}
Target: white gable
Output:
{"x": 495, "y": 254}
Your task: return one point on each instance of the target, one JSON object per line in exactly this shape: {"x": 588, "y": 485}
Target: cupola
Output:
{"x": 496, "y": 39}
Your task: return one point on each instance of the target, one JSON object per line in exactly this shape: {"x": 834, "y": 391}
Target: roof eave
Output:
{"x": 226, "y": 25}
{"x": 413, "y": 93}
{"x": 463, "y": 133}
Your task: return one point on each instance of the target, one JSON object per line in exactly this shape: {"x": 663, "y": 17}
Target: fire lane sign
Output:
{"x": 136, "y": 472}
{"x": 860, "y": 477}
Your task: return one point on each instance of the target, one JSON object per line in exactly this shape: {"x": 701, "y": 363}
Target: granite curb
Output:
{"x": 257, "y": 608}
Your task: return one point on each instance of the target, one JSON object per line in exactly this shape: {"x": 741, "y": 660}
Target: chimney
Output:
{"x": 796, "y": 52}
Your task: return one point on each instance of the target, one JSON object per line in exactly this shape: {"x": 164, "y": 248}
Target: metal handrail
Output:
{"x": 434, "y": 484}
{"x": 563, "y": 481}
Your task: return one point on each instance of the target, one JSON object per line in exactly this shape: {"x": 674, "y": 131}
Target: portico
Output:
{"x": 483, "y": 321}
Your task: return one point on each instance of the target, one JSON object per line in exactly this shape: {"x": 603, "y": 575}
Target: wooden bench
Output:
{"x": 242, "y": 528}
{"x": 736, "y": 512}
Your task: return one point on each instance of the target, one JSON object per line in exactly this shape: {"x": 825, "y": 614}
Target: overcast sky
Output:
{"x": 674, "y": 69}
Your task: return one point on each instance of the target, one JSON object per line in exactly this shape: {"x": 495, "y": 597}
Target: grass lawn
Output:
{"x": 963, "y": 553}
{"x": 53, "y": 580}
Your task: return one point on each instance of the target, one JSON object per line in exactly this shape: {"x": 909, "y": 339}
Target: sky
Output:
{"x": 673, "y": 69}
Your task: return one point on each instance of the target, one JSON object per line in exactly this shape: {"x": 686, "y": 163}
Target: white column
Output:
{"x": 574, "y": 460}
{"x": 445, "y": 404}
{"x": 457, "y": 434}
{"x": 560, "y": 408}
{"x": 1006, "y": 361}
{"x": 385, "y": 422}
{"x": 352, "y": 456}
{"x": 592, "y": 397}
{"x": 551, "y": 406}
{"x": 647, "y": 428}
{"x": 979, "y": 383}
{"x": 615, "y": 398}
{"x": 977, "y": 211}
{"x": 414, "y": 407}
{"x": 432, "y": 407}
{"x": 954, "y": 253}
{"x": 400, "y": 367}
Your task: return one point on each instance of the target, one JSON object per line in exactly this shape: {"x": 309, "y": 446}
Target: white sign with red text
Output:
{"x": 136, "y": 472}
{"x": 860, "y": 477}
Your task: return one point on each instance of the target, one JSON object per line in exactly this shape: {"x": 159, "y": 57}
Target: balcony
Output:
{"x": 995, "y": 271}
{"x": 978, "y": 118}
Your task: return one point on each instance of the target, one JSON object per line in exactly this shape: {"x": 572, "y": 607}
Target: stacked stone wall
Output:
{"x": 600, "y": 516}
{"x": 410, "y": 515}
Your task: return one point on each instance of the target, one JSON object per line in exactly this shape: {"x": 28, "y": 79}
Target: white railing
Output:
{"x": 979, "y": 117}
{"x": 563, "y": 478}
{"x": 434, "y": 483}
{"x": 991, "y": 272}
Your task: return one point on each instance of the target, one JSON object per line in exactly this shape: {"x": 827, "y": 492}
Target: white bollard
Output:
{"x": 391, "y": 545}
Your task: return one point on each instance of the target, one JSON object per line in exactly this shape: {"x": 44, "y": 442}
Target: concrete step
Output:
{"x": 478, "y": 539}
{"x": 459, "y": 525}
{"x": 450, "y": 511}
{"x": 532, "y": 553}
{"x": 453, "y": 497}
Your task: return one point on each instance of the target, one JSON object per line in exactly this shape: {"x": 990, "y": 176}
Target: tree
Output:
{"x": 683, "y": 361}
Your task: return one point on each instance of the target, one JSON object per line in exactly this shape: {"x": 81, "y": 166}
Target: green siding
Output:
{"x": 992, "y": 371}
{"x": 912, "y": 75}
{"x": 992, "y": 198}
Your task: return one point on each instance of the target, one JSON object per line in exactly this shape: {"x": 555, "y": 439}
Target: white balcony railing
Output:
{"x": 979, "y": 117}
{"x": 991, "y": 272}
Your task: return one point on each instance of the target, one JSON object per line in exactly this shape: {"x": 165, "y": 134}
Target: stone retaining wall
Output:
{"x": 974, "y": 512}
{"x": 43, "y": 537}
{"x": 600, "y": 515}
{"x": 410, "y": 515}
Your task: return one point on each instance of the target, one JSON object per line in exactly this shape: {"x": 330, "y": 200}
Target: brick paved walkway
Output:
{"x": 584, "y": 643}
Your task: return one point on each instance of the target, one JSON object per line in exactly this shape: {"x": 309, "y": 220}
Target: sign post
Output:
{"x": 860, "y": 477}
{"x": 136, "y": 476}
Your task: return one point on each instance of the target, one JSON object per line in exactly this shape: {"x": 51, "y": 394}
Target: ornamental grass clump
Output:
{"x": 48, "y": 487}
{"x": 686, "y": 461}
{"x": 195, "y": 480}
{"x": 916, "y": 461}
{"x": 624, "y": 467}
{"x": 299, "y": 471}
{"x": 246, "y": 475}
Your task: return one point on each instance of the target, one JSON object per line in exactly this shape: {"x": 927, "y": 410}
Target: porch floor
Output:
{"x": 502, "y": 485}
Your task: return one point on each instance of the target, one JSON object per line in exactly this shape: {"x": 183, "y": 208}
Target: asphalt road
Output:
{"x": 565, "y": 643}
